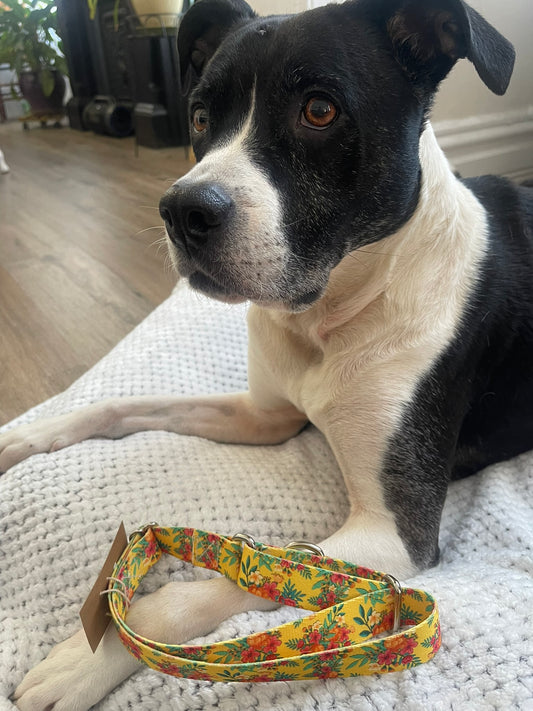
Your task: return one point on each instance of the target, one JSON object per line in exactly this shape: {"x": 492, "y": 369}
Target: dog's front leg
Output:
{"x": 395, "y": 445}
{"x": 72, "y": 678}
{"x": 232, "y": 418}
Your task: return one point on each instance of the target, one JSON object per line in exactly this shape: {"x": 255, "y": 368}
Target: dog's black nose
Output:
{"x": 193, "y": 212}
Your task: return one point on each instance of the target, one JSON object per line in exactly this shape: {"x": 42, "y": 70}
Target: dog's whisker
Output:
{"x": 159, "y": 246}
{"x": 146, "y": 229}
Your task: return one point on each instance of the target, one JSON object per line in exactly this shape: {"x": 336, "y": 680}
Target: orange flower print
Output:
{"x": 339, "y": 578}
{"x": 409, "y": 645}
{"x": 315, "y": 637}
{"x": 386, "y": 658}
{"x": 265, "y": 642}
{"x": 270, "y": 591}
{"x": 398, "y": 644}
{"x": 151, "y": 548}
{"x": 386, "y": 623}
{"x": 326, "y": 672}
{"x": 249, "y": 655}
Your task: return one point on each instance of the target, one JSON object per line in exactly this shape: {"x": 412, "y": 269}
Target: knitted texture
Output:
{"x": 59, "y": 513}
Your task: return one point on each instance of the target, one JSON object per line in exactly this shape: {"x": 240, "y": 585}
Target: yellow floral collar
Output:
{"x": 354, "y": 608}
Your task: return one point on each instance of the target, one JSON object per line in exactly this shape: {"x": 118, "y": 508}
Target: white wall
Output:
{"x": 480, "y": 132}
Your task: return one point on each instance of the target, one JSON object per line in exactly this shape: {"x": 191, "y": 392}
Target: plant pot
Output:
{"x": 157, "y": 13}
{"x": 32, "y": 91}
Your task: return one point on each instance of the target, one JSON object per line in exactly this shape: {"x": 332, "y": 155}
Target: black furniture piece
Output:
{"x": 160, "y": 113}
{"x": 124, "y": 68}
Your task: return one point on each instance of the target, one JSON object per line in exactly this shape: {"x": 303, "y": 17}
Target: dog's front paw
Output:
{"x": 72, "y": 678}
{"x": 53, "y": 433}
{"x": 45, "y": 435}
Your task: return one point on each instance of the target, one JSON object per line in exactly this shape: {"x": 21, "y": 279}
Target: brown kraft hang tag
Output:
{"x": 95, "y": 611}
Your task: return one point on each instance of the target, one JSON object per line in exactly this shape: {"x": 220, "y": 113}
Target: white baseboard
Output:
{"x": 501, "y": 144}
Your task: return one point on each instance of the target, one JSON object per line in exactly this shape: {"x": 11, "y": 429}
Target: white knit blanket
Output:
{"x": 59, "y": 513}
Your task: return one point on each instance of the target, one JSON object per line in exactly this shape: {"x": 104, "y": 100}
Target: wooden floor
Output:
{"x": 80, "y": 263}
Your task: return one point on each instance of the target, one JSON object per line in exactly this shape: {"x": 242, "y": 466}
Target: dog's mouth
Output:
{"x": 234, "y": 290}
{"x": 235, "y": 281}
{"x": 208, "y": 285}
{"x": 223, "y": 286}
{"x": 293, "y": 302}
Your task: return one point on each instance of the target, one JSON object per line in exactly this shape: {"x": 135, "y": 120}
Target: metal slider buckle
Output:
{"x": 397, "y": 588}
{"x": 307, "y": 547}
{"x": 142, "y": 529}
{"x": 244, "y": 538}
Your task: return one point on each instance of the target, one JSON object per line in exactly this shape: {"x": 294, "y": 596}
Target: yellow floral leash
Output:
{"x": 353, "y": 607}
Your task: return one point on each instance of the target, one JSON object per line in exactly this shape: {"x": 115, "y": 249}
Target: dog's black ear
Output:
{"x": 429, "y": 36}
{"x": 201, "y": 31}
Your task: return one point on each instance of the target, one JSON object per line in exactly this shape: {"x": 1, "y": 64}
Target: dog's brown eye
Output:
{"x": 319, "y": 112}
{"x": 200, "y": 119}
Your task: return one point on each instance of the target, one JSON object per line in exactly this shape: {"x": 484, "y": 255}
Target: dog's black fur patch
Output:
{"x": 475, "y": 407}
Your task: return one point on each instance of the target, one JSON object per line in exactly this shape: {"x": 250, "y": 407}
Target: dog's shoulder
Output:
{"x": 510, "y": 208}
{"x": 505, "y": 279}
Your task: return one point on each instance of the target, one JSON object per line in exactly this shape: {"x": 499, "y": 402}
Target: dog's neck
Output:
{"x": 433, "y": 236}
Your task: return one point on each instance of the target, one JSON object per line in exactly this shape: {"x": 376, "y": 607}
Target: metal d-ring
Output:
{"x": 395, "y": 584}
{"x": 245, "y": 538}
{"x": 142, "y": 529}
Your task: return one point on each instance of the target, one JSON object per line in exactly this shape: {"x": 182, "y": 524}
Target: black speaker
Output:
{"x": 105, "y": 115}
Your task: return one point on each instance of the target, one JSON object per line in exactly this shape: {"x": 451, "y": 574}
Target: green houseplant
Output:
{"x": 29, "y": 44}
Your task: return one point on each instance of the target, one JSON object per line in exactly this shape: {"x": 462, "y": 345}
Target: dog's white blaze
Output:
{"x": 258, "y": 248}
{"x": 355, "y": 358}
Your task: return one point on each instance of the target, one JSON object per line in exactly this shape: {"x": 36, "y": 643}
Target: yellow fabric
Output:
{"x": 352, "y": 605}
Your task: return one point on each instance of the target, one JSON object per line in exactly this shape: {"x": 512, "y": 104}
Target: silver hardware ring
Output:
{"x": 245, "y": 538}
{"x": 307, "y": 547}
{"x": 395, "y": 584}
{"x": 142, "y": 529}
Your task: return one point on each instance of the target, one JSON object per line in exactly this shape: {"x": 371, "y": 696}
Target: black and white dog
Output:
{"x": 392, "y": 303}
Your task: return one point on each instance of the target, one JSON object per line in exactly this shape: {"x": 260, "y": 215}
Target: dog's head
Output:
{"x": 306, "y": 131}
